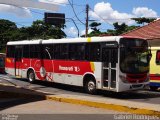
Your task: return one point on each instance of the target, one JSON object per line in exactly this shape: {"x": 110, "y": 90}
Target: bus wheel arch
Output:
{"x": 89, "y": 84}
{"x": 31, "y": 75}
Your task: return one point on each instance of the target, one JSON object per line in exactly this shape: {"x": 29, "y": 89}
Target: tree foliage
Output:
{"x": 38, "y": 30}
{"x": 96, "y": 31}
{"x": 120, "y": 29}
{"x": 143, "y": 20}
{"x": 8, "y": 31}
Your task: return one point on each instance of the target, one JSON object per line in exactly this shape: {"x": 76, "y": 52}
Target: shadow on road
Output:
{"x": 11, "y": 96}
{"x": 130, "y": 95}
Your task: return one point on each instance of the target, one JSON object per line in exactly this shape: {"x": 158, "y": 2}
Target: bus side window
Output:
{"x": 92, "y": 52}
{"x": 47, "y": 51}
{"x": 26, "y": 51}
{"x": 35, "y": 51}
{"x": 56, "y": 51}
{"x": 64, "y": 51}
{"x": 61, "y": 51}
{"x": 158, "y": 57}
{"x": 76, "y": 51}
{"x": 72, "y": 51}
{"x": 10, "y": 51}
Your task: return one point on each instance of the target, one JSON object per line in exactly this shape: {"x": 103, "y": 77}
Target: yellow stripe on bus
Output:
{"x": 88, "y": 39}
{"x": 157, "y": 81}
{"x": 8, "y": 60}
{"x": 92, "y": 66}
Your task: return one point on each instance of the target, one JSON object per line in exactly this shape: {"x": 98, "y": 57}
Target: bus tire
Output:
{"x": 90, "y": 86}
{"x": 153, "y": 88}
{"x": 31, "y": 76}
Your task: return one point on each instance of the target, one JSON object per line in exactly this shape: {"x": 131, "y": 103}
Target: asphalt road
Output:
{"x": 38, "y": 109}
{"x": 145, "y": 96}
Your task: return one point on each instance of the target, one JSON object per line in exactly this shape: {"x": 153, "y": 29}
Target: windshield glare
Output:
{"x": 134, "y": 56}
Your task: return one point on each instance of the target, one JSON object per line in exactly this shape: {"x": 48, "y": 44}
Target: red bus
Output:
{"x": 2, "y": 62}
{"x": 112, "y": 63}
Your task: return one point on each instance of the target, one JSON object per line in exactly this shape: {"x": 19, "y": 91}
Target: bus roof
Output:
{"x": 24, "y": 42}
{"x": 67, "y": 40}
{"x": 82, "y": 40}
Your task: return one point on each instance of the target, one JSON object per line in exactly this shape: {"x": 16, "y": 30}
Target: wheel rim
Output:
{"x": 91, "y": 86}
{"x": 31, "y": 77}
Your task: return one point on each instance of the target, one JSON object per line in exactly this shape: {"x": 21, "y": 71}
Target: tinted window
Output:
{"x": 64, "y": 51}
{"x": 35, "y": 51}
{"x": 18, "y": 52}
{"x": 158, "y": 57}
{"x": 48, "y": 51}
{"x": 93, "y": 51}
{"x": 60, "y": 51}
{"x": 76, "y": 51}
{"x": 134, "y": 55}
{"x": 26, "y": 51}
{"x": 10, "y": 51}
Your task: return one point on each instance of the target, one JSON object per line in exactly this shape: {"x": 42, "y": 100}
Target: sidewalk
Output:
{"x": 106, "y": 103}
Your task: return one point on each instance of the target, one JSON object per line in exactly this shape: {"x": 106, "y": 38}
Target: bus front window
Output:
{"x": 134, "y": 56}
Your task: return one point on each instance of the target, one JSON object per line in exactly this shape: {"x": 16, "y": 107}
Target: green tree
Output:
{"x": 94, "y": 26}
{"x": 96, "y": 31}
{"x": 8, "y": 32}
{"x": 40, "y": 30}
{"x": 143, "y": 20}
{"x": 120, "y": 29}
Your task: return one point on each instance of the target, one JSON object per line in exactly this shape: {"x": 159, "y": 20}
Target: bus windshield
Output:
{"x": 134, "y": 55}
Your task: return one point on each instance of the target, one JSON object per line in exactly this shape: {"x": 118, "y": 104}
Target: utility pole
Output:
{"x": 87, "y": 10}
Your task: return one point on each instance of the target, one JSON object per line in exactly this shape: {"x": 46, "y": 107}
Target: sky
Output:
{"x": 104, "y": 11}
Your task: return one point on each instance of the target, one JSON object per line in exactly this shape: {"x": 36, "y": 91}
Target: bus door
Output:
{"x": 47, "y": 62}
{"x": 18, "y": 60}
{"x": 109, "y": 67}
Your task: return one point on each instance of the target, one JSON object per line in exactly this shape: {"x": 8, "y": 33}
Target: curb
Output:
{"x": 119, "y": 108}
{"x": 108, "y": 106}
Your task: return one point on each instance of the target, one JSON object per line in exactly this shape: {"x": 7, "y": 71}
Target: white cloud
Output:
{"x": 25, "y": 12}
{"x": 84, "y": 31}
{"x": 72, "y": 31}
{"x": 104, "y": 12}
{"x": 20, "y": 12}
{"x": 54, "y": 1}
{"x": 144, "y": 12}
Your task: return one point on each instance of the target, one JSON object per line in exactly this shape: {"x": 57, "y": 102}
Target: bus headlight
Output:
{"x": 123, "y": 78}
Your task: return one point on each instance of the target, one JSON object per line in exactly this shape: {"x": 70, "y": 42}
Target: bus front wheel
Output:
{"x": 90, "y": 86}
{"x": 31, "y": 76}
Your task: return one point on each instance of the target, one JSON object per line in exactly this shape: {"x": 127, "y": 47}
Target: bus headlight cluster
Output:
{"x": 123, "y": 78}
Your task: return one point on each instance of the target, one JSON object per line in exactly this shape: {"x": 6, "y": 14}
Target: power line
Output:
{"x": 71, "y": 4}
{"x": 80, "y": 13}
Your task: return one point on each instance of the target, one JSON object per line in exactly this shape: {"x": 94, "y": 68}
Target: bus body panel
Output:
{"x": 154, "y": 68}
{"x": 107, "y": 74}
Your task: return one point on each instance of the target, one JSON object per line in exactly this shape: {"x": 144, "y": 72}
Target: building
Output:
{"x": 151, "y": 32}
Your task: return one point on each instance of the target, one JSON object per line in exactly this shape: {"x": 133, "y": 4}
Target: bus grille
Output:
{"x": 136, "y": 78}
